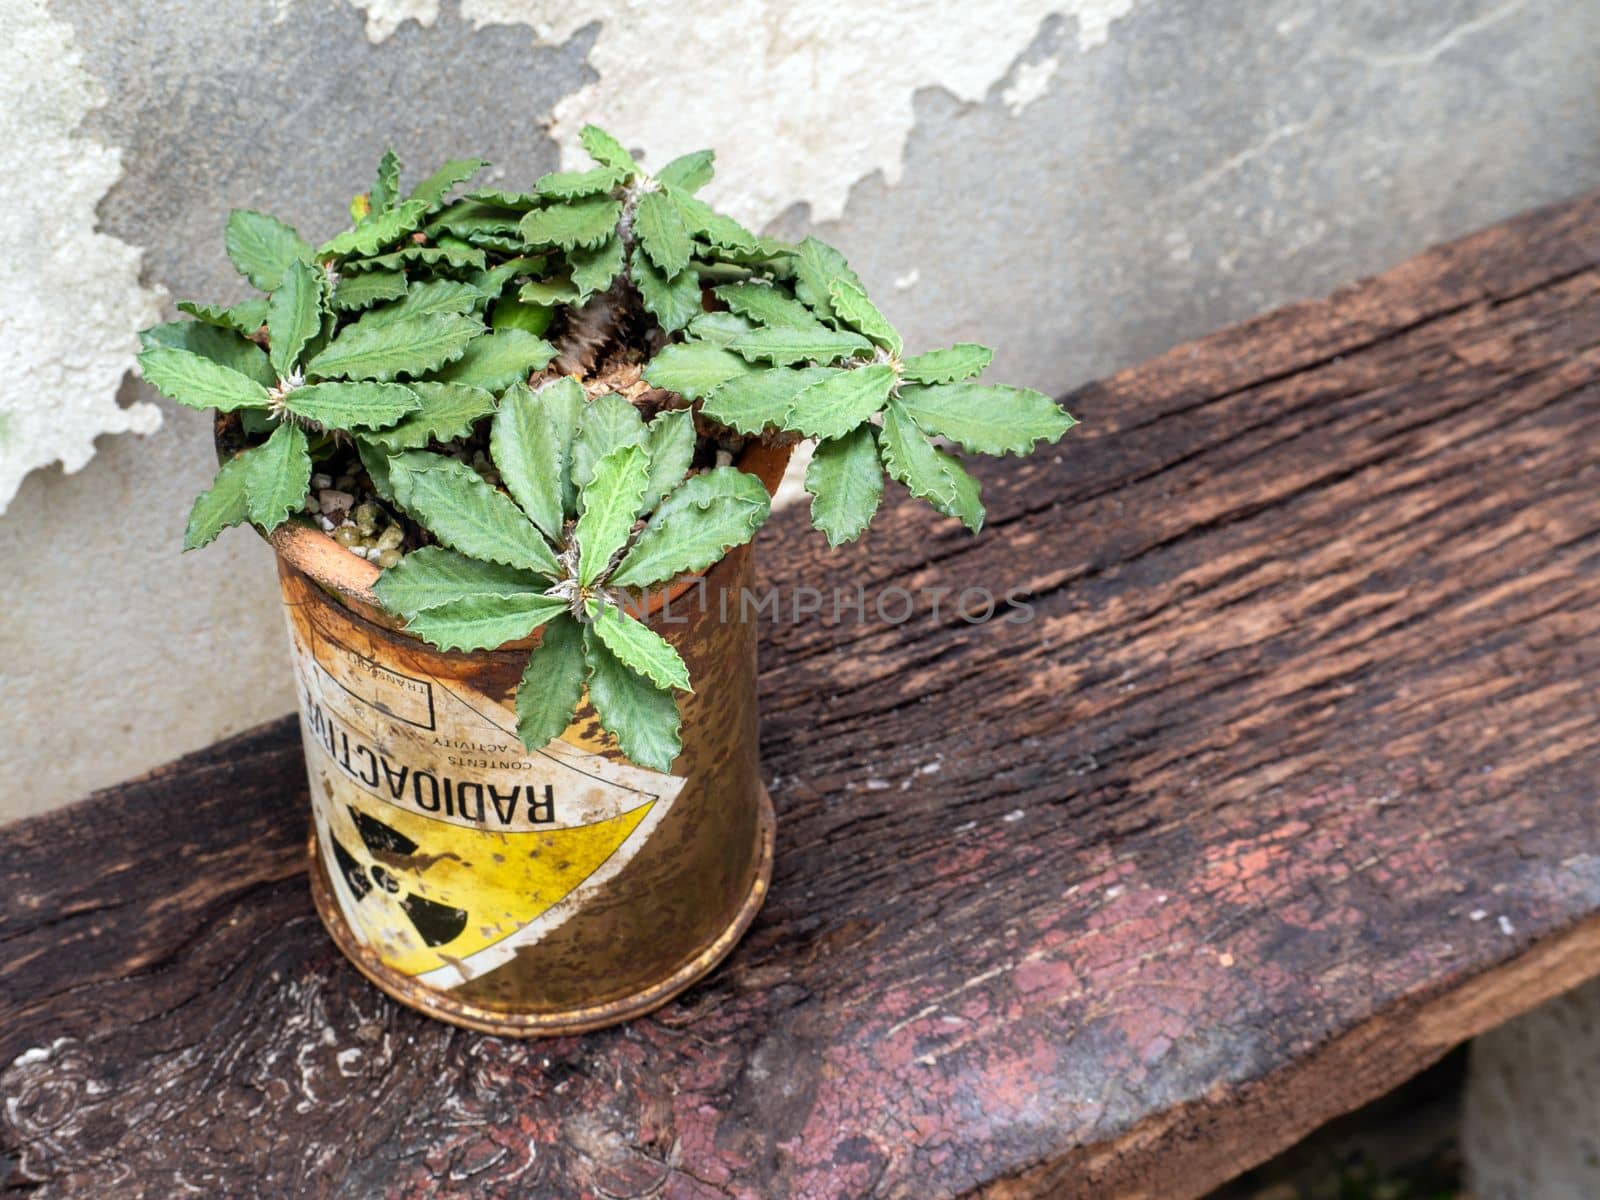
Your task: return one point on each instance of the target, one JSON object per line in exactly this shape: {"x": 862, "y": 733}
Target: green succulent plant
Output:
{"x": 440, "y": 322}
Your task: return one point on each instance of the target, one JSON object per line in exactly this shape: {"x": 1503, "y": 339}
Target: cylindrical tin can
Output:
{"x": 522, "y": 891}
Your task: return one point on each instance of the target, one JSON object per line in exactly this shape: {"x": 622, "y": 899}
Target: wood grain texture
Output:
{"x": 1288, "y": 785}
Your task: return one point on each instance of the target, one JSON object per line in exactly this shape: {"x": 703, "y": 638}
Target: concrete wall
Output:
{"x": 1080, "y": 182}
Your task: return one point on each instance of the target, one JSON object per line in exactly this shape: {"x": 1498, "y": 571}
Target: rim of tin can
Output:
{"x": 333, "y": 568}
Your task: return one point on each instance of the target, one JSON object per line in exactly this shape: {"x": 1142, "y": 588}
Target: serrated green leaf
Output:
{"x": 607, "y": 504}
{"x": 694, "y": 369}
{"x": 449, "y": 251}
{"x": 525, "y": 442}
{"x": 719, "y": 328}
{"x": 570, "y": 185}
{"x": 552, "y": 684}
{"x": 225, "y": 504}
{"x": 594, "y": 269}
{"x": 751, "y": 403}
{"x": 832, "y": 407}
{"x": 378, "y": 230}
{"x": 432, "y": 190}
{"x": 245, "y": 317}
{"x": 407, "y": 346}
{"x": 642, "y": 717}
{"x": 845, "y": 480}
{"x": 961, "y": 361}
{"x": 558, "y": 290}
{"x": 785, "y": 345}
{"x": 767, "y": 305}
{"x": 586, "y": 222}
{"x": 566, "y": 403}
{"x": 375, "y": 461}
{"x": 816, "y": 266}
{"x": 467, "y": 217}
{"x": 386, "y": 188}
{"x": 641, "y": 649}
{"x": 605, "y": 423}
{"x": 673, "y": 301}
{"x": 360, "y": 405}
{"x": 424, "y": 299}
{"x": 294, "y": 315}
{"x": 662, "y": 233}
{"x": 853, "y": 307}
{"x": 453, "y": 502}
{"x": 706, "y": 222}
{"x": 521, "y": 201}
{"x": 221, "y": 346}
{"x": 277, "y": 475}
{"x": 986, "y": 420}
{"x": 262, "y": 247}
{"x": 368, "y": 288}
{"x": 689, "y": 172}
{"x": 433, "y": 575}
{"x": 498, "y": 360}
{"x": 483, "y": 623}
{"x": 671, "y": 443}
{"x": 198, "y": 382}
{"x": 928, "y": 472}
{"x": 606, "y": 150}
{"x": 492, "y": 282}
{"x": 696, "y": 525}
{"x": 514, "y": 314}
{"x": 447, "y": 411}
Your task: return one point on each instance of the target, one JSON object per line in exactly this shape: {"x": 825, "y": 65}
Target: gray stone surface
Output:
{"x": 1208, "y": 162}
{"x": 1531, "y": 1118}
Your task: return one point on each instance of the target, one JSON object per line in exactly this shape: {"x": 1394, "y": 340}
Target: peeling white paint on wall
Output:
{"x": 804, "y": 98}
{"x": 70, "y": 299}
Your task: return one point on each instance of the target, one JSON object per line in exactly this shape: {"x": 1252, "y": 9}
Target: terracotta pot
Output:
{"x": 522, "y": 892}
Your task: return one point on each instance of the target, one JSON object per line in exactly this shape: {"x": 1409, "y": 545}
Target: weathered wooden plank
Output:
{"x": 1288, "y": 785}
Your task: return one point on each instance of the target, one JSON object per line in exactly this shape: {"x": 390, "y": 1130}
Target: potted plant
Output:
{"x": 493, "y": 437}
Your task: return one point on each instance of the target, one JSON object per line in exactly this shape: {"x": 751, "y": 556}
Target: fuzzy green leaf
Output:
{"x": 432, "y": 190}
{"x": 860, "y": 313}
{"x": 642, "y": 717}
{"x": 606, "y": 422}
{"x": 360, "y": 405}
{"x": 245, "y": 317}
{"x": 368, "y": 288}
{"x": 961, "y": 361}
{"x": 928, "y": 472}
{"x": 225, "y": 504}
{"x": 816, "y": 266}
{"x": 386, "y": 188}
{"x": 586, "y": 222}
{"x": 498, "y": 360}
{"x": 566, "y": 404}
{"x": 569, "y": 185}
{"x": 987, "y": 420}
{"x": 277, "y": 476}
{"x": 606, "y": 150}
{"x": 433, "y": 575}
{"x": 262, "y": 247}
{"x": 674, "y": 301}
{"x": 521, "y": 201}
{"x": 697, "y": 524}
{"x": 526, "y": 445}
{"x": 662, "y": 233}
{"x": 607, "y": 504}
{"x": 785, "y": 345}
{"x": 767, "y": 305}
{"x": 407, "y": 346}
{"x": 465, "y": 218}
{"x": 482, "y": 623}
{"x": 706, "y": 222}
{"x": 832, "y": 407}
{"x": 641, "y": 649}
{"x": 425, "y": 299}
{"x": 552, "y": 684}
{"x": 689, "y": 172}
{"x": 693, "y": 369}
{"x": 198, "y": 382}
{"x": 751, "y": 403}
{"x": 453, "y": 502}
{"x": 294, "y": 315}
{"x": 719, "y": 328}
{"x": 845, "y": 480}
{"x": 221, "y": 346}
{"x": 377, "y": 231}
{"x": 671, "y": 443}
{"x": 593, "y": 270}
{"x": 448, "y": 411}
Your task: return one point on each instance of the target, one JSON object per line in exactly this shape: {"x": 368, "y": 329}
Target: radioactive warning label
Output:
{"x": 450, "y": 845}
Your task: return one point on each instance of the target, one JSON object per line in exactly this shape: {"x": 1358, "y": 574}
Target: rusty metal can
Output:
{"x": 522, "y": 891}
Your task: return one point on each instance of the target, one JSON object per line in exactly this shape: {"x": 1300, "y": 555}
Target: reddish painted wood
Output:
{"x": 1288, "y": 785}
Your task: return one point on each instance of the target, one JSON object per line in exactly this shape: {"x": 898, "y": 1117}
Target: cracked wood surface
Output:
{"x": 1287, "y": 786}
